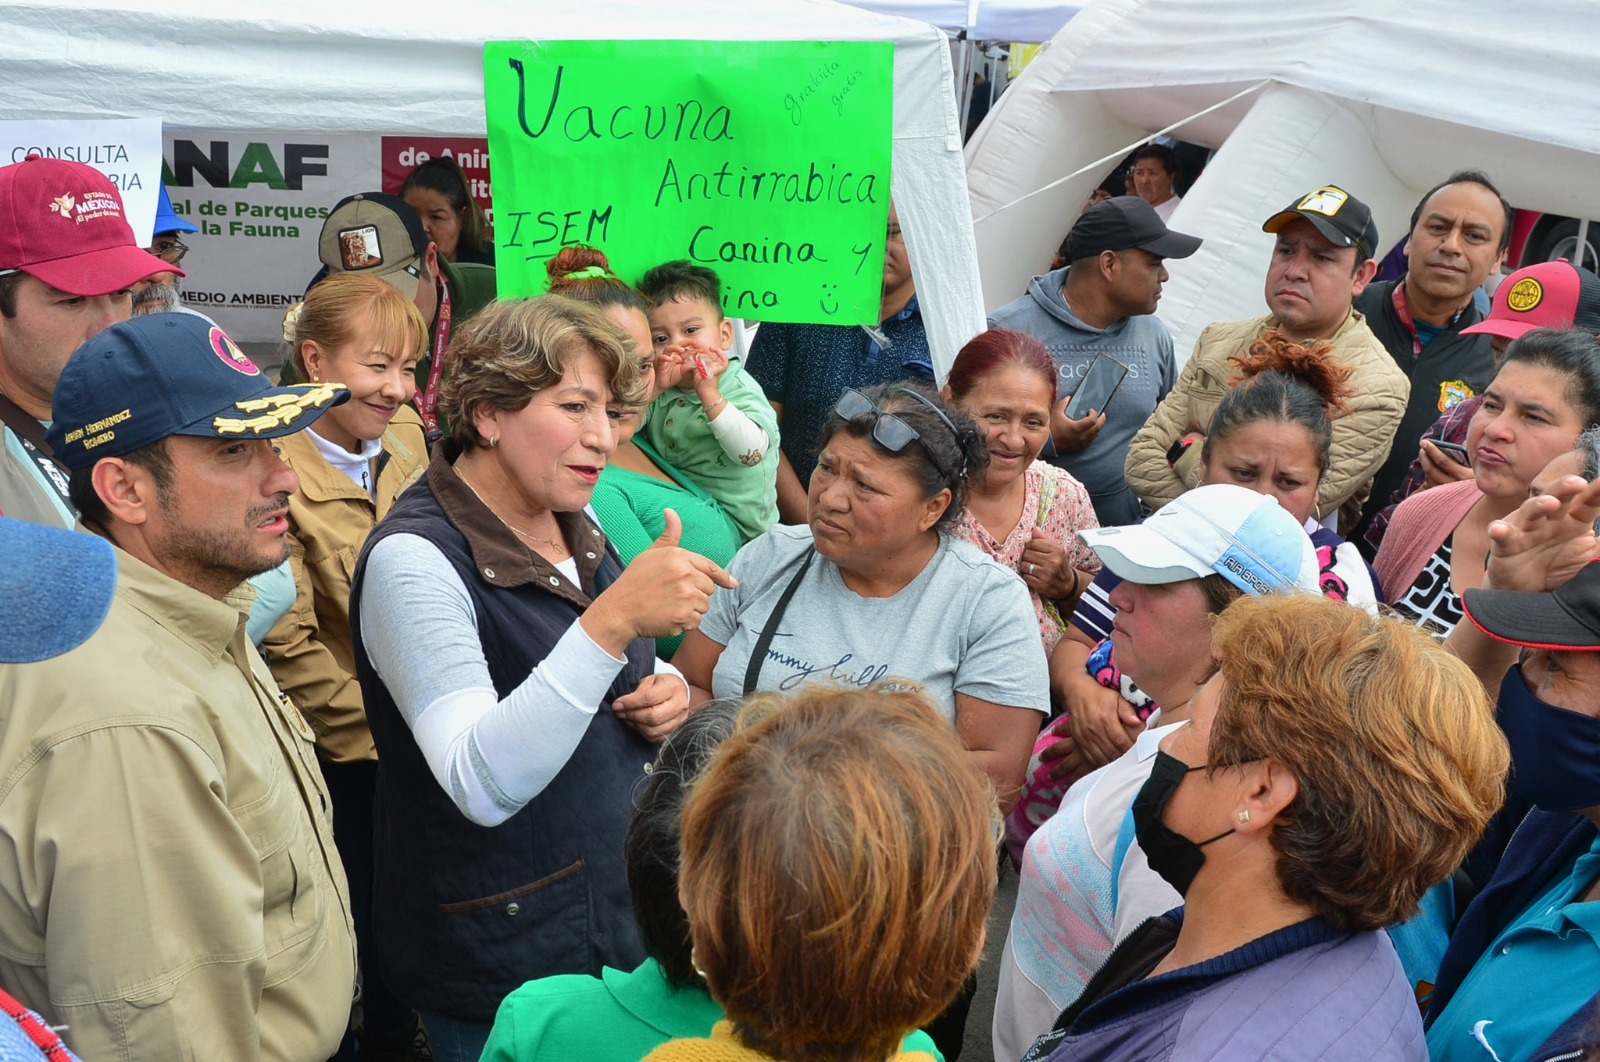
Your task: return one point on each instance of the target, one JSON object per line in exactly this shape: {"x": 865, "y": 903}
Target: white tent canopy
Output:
{"x": 1382, "y": 99}
{"x": 1024, "y": 21}
{"x": 358, "y": 66}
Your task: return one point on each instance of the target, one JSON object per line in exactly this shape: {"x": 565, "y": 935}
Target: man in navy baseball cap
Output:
{"x": 164, "y": 425}
{"x": 178, "y": 819}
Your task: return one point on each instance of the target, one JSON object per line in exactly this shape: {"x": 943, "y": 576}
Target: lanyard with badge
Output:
{"x": 427, "y": 400}
{"x": 30, "y": 433}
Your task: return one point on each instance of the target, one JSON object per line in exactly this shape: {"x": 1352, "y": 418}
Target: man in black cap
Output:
{"x": 1103, "y": 302}
{"x": 1321, "y": 260}
{"x": 171, "y": 888}
{"x": 1519, "y": 977}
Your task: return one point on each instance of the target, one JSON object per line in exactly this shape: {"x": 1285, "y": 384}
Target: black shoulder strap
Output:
{"x": 752, "y": 672}
{"x": 31, "y": 432}
{"x": 27, "y": 429}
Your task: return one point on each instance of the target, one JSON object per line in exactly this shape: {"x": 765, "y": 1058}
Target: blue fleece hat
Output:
{"x": 167, "y": 219}
{"x": 55, "y": 590}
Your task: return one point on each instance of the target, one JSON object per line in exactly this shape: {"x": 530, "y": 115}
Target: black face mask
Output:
{"x": 1555, "y": 752}
{"x": 1171, "y": 855}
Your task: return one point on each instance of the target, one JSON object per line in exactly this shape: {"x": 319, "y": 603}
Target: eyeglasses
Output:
{"x": 169, "y": 250}
{"x": 892, "y": 433}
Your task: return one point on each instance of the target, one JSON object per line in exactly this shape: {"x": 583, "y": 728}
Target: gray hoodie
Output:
{"x": 1141, "y": 343}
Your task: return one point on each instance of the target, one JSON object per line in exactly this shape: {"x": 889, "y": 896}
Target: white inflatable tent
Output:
{"x": 368, "y": 66}
{"x": 1383, "y": 99}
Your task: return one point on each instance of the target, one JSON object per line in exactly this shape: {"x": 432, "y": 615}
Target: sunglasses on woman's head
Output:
{"x": 889, "y": 431}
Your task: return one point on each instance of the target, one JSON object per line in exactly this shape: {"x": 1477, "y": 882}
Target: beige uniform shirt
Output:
{"x": 169, "y": 887}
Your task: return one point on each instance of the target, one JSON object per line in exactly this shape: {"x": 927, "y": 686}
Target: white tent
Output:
{"x": 368, "y": 66}
{"x": 1023, "y": 21}
{"x": 1382, "y": 99}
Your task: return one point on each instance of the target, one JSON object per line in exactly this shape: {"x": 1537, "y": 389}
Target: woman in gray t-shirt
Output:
{"x": 879, "y": 592}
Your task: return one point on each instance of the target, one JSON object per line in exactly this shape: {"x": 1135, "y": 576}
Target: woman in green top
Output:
{"x": 639, "y": 486}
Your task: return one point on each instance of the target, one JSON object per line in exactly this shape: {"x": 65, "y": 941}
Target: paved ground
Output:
{"x": 978, "y": 1045}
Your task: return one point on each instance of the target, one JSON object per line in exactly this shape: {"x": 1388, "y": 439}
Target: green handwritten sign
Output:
{"x": 765, "y": 161}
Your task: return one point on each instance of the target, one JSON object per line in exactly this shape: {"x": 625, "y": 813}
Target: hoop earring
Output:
{"x": 494, "y": 440}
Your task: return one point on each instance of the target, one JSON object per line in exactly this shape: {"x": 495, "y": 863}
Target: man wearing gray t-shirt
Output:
{"x": 1103, "y": 302}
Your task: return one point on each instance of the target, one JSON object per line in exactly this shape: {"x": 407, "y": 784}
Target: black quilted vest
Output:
{"x": 462, "y": 914}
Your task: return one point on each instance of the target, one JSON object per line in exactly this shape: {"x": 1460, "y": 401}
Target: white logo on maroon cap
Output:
{"x": 62, "y": 204}
{"x": 97, "y": 205}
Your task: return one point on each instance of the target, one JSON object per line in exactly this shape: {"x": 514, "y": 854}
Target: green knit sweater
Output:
{"x": 631, "y": 508}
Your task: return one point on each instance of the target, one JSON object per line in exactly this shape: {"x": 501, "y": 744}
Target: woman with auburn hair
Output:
{"x": 1023, "y": 512}
{"x": 621, "y": 1017}
{"x": 639, "y": 486}
{"x": 1337, "y": 767}
{"x": 837, "y": 870}
{"x": 356, "y": 330}
{"x": 512, "y": 692}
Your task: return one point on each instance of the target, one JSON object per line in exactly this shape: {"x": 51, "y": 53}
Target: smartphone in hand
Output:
{"x": 1455, "y": 450}
{"x": 1100, "y": 383}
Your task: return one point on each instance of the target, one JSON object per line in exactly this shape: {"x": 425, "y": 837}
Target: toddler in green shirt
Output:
{"x": 710, "y": 419}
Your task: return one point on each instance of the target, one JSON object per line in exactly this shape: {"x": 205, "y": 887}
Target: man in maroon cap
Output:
{"x": 67, "y": 260}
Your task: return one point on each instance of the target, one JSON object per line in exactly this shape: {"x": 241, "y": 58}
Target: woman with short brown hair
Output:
{"x": 511, "y": 692}
{"x": 837, "y": 870}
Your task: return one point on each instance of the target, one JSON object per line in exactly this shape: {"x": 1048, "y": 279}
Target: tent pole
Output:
{"x": 964, "y": 82}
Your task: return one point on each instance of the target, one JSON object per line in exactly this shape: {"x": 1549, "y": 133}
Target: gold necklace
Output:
{"x": 560, "y": 547}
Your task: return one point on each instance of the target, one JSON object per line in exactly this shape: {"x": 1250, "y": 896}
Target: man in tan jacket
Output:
{"x": 170, "y": 887}
{"x": 1322, "y": 259}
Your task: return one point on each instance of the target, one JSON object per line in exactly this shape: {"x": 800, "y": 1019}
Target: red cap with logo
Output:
{"x": 1555, "y": 295}
{"x": 62, "y": 222}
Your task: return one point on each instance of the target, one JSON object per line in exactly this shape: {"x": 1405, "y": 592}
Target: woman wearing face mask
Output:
{"x": 639, "y": 486}
{"x": 1272, "y": 433}
{"x": 356, "y": 330}
{"x": 1518, "y": 982}
{"x": 1189, "y": 562}
{"x": 1336, "y": 767}
{"x": 1545, "y": 394}
{"x": 1023, "y": 512}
